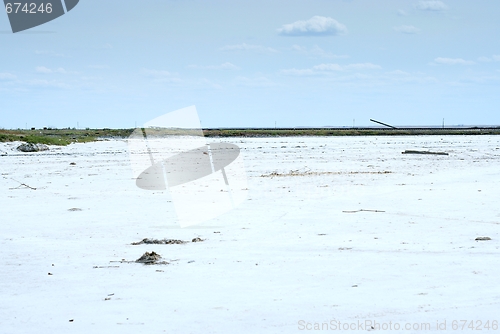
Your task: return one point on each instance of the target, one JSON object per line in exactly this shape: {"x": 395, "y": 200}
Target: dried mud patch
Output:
{"x": 312, "y": 173}
{"x": 147, "y": 241}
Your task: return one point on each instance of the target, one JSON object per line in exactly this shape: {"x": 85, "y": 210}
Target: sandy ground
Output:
{"x": 288, "y": 259}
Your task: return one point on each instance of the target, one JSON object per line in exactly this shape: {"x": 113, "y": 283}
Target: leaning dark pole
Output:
{"x": 392, "y": 127}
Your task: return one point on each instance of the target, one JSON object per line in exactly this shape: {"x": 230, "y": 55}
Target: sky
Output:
{"x": 121, "y": 63}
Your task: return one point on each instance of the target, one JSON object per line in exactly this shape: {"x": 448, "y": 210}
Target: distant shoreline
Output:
{"x": 288, "y": 132}
{"x": 67, "y": 136}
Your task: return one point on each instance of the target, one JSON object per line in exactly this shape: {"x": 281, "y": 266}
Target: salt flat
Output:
{"x": 287, "y": 259}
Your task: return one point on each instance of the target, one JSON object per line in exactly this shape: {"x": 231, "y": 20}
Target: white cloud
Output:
{"x": 225, "y": 66}
{"x": 452, "y": 61}
{"x": 325, "y": 68}
{"x": 432, "y": 5}
{"x": 45, "y": 70}
{"x": 316, "y": 51}
{"x": 328, "y": 67}
{"x": 315, "y": 26}
{"x": 402, "y": 12}
{"x": 7, "y": 76}
{"x": 161, "y": 75}
{"x": 489, "y": 59}
{"x": 248, "y": 47}
{"x": 337, "y": 67}
{"x": 407, "y": 29}
{"x": 48, "y": 84}
{"x": 474, "y": 77}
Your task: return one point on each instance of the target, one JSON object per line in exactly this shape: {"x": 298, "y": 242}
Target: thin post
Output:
{"x": 390, "y": 126}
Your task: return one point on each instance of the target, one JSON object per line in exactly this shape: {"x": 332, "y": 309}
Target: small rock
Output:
{"x": 75, "y": 209}
{"x": 197, "y": 240}
{"x": 159, "y": 242}
{"x": 73, "y": 164}
{"x": 482, "y": 238}
{"x": 30, "y": 147}
{"x": 149, "y": 258}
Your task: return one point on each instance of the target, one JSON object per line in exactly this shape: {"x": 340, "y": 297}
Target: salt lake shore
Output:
{"x": 334, "y": 231}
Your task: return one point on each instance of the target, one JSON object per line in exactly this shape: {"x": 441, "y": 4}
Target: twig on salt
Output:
{"x": 363, "y": 210}
{"x": 22, "y": 185}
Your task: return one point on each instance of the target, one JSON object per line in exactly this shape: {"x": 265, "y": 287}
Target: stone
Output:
{"x": 149, "y": 258}
{"x": 30, "y": 147}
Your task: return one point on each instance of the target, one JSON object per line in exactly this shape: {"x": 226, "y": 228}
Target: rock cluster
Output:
{"x": 159, "y": 242}
{"x": 149, "y": 258}
{"x": 30, "y": 147}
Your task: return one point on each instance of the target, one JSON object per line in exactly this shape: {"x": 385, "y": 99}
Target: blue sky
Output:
{"x": 250, "y": 63}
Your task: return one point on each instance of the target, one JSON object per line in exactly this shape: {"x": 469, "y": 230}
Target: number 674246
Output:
{"x": 28, "y": 8}
{"x": 474, "y": 325}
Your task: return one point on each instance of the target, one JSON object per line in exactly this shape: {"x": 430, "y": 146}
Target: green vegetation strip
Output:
{"x": 67, "y": 136}
{"x": 61, "y": 137}
{"x": 344, "y": 132}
